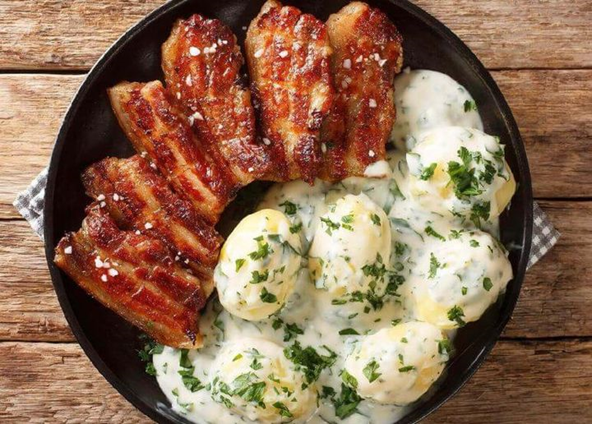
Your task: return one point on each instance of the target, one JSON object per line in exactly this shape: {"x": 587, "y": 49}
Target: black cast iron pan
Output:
{"x": 90, "y": 132}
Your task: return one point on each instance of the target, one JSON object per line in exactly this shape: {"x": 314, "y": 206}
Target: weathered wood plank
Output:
{"x": 530, "y": 382}
{"x": 72, "y": 35}
{"x": 552, "y": 109}
{"x": 29, "y": 309}
{"x": 30, "y": 116}
{"x": 520, "y": 34}
{"x": 519, "y": 383}
{"x": 555, "y": 300}
{"x": 42, "y": 382}
{"x": 556, "y": 295}
{"x": 554, "y": 113}
{"x": 58, "y": 35}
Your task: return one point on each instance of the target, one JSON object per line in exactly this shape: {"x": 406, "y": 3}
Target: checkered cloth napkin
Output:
{"x": 29, "y": 203}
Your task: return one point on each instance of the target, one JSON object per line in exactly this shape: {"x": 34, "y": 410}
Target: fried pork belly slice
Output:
{"x": 201, "y": 62}
{"x": 367, "y": 54}
{"x": 157, "y": 129}
{"x": 135, "y": 276}
{"x": 139, "y": 199}
{"x": 288, "y": 57}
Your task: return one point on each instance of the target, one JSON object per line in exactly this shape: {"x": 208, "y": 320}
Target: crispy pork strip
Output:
{"x": 139, "y": 199}
{"x": 201, "y": 62}
{"x": 157, "y": 129}
{"x": 288, "y": 58}
{"x": 135, "y": 276}
{"x": 367, "y": 54}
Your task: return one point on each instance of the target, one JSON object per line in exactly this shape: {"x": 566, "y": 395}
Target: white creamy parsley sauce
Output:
{"x": 424, "y": 99}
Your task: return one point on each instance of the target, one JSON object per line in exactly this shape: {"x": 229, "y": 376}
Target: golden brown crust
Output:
{"x": 157, "y": 129}
{"x": 367, "y": 54}
{"x": 135, "y": 276}
{"x": 288, "y": 58}
{"x": 139, "y": 199}
{"x": 201, "y": 62}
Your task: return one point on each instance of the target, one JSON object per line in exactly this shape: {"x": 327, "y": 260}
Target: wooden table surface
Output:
{"x": 539, "y": 52}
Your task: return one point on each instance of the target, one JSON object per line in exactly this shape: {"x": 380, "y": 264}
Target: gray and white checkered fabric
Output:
{"x": 544, "y": 236}
{"x": 29, "y": 203}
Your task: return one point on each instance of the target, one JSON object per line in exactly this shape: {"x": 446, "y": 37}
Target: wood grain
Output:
{"x": 30, "y": 116}
{"x": 58, "y": 35}
{"x": 521, "y": 382}
{"x": 552, "y": 109}
{"x": 554, "y": 113}
{"x": 555, "y": 300}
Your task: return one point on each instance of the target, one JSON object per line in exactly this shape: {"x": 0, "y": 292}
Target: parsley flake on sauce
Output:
{"x": 267, "y": 297}
{"x": 434, "y": 265}
{"x": 470, "y": 105}
{"x": 457, "y": 314}
{"x": 370, "y": 371}
{"x": 487, "y": 284}
{"x": 428, "y": 172}
{"x": 289, "y": 207}
{"x": 431, "y": 232}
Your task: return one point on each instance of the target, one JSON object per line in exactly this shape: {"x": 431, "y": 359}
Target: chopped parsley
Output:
{"x": 474, "y": 243}
{"x": 267, "y": 297}
{"x": 283, "y": 410}
{"x": 328, "y": 392}
{"x": 470, "y": 105}
{"x": 407, "y": 368}
{"x": 348, "y": 332}
{"x": 291, "y": 331}
{"x": 480, "y": 211}
{"x": 434, "y": 265}
{"x": 400, "y": 248}
{"x": 257, "y": 277}
{"x": 296, "y": 228}
{"x": 248, "y": 388}
{"x": 444, "y": 347}
{"x": 184, "y": 360}
{"x": 427, "y": 173}
{"x": 455, "y": 234}
{"x": 289, "y": 207}
{"x": 456, "y": 314}
{"x": 347, "y": 402}
{"x": 277, "y": 323}
{"x": 375, "y": 219}
{"x": 370, "y": 371}
{"x": 263, "y": 249}
{"x": 331, "y": 226}
{"x": 347, "y": 219}
{"x": 464, "y": 290}
{"x": 150, "y": 369}
{"x": 192, "y": 383}
{"x": 487, "y": 284}
{"x": 431, "y": 232}
{"x": 309, "y": 360}
{"x": 349, "y": 379}
{"x": 239, "y": 263}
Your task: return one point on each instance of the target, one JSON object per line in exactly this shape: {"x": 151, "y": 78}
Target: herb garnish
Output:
{"x": 370, "y": 371}
{"x": 289, "y": 207}
{"x": 267, "y": 297}
{"x": 434, "y": 265}
{"x": 309, "y": 360}
{"x": 456, "y": 314}
{"x": 431, "y": 232}
{"x": 427, "y": 173}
